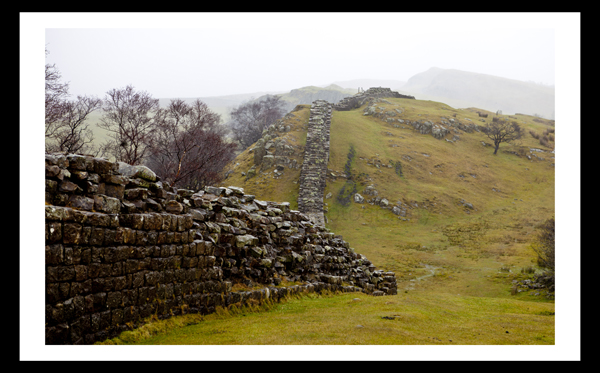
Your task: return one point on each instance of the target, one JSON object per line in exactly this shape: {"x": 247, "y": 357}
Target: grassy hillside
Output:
{"x": 457, "y": 251}
{"x": 510, "y": 192}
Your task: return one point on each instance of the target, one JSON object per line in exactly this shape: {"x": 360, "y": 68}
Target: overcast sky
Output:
{"x": 214, "y": 54}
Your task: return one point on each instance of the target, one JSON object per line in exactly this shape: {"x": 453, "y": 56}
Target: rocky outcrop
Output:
{"x": 121, "y": 246}
{"x": 273, "y": 150}
{"x": 314, "y": 167}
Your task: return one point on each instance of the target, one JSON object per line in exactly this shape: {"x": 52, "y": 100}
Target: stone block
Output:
{"x": 107, "y": 204}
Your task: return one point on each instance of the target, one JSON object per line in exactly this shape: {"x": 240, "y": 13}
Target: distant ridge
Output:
{"x": 456, "y": 87}
{"x": 368, "y": 83}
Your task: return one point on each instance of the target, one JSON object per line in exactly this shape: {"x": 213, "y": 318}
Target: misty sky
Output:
{"x": 213, "y": 54}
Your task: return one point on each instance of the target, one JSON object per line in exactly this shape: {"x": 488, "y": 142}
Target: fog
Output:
{"x": 215, "y": 54}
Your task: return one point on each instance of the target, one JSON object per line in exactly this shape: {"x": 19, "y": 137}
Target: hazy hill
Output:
{"x": 221, "y": 104}
{"x": 306, "y": 95}
{"x": 467, "y": 89}
{"x": 365, "y": 84}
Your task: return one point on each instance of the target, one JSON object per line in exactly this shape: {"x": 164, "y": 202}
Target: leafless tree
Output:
{"x": 189, "y": 148}
{"x": 56, "y": 94}
{"x": 500, "y": 131}
{"x": 66, "y": 127}
{"x": 250, "y": 119}
{"x": 71, "y": 133}
{"x": 130, "y": 117}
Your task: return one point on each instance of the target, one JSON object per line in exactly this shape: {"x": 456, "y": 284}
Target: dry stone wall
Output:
{"x": 314, "y": 167}
{"x": 121, "y": 247}
{"x": 360, "y": 98}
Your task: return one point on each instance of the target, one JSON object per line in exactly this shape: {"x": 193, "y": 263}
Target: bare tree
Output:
{"x": 189, "y": 148}
{"x": 250, "y": 119}
{"x": 71, "y": 133}
{"x": 66, "y": 128}
{"x": 130, "y": 117}
{"x": 56, "y": 94}
{"x": 500, "y": 131}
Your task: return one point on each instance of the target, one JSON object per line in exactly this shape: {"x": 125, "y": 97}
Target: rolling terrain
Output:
{"x": 460, "y": 206}
{"x": 458, "y": 239}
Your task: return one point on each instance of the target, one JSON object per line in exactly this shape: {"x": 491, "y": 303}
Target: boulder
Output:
{"x": 267, "y": 162}
{"x": 358, "y": 198}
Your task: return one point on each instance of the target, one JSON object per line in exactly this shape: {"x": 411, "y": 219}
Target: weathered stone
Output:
{"x": 139, "y": 171}
{"x": 77, "y": 162}
{"x": 114, "y": 190}
{"x": 68, "y": 187}
{"x": 102, "y": 166}
{"x": 107, "y": 204}
{"x": 245, "y": 240}
{"x": 268, "y": 161}
{"x": 358, "y": 198}
{"x": 81, "y": 202}
{"x": 136, "y": 193}
{"x": 173, "y": 207}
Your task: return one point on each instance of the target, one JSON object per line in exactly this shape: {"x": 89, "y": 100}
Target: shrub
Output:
{"x": 534, "y": 134}
{"x": 347, "y": 192}
{"x": 544, "y": 247}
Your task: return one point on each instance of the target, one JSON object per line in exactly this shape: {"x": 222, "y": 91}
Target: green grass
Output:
{"x": 413, "y": 318}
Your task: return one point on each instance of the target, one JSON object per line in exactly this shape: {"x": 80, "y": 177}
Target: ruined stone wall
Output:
{"x": 314, "y": 167}
{"x": 360, "y": 98}
{"x": 121, "y": 247}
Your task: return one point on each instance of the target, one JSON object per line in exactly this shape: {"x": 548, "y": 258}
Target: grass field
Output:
{"x": 455, "y": 266}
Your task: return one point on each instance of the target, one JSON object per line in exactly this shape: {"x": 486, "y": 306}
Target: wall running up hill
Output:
{"x": 121, "y": 247}
{"x": 314, "y": 168}
{"x": 312, "y": 181}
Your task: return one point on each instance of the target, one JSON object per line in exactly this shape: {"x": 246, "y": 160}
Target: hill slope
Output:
{"x": 443, "y": 204}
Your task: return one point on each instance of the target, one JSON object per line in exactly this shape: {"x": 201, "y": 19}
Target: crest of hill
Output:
{"x": 464, "y": 89}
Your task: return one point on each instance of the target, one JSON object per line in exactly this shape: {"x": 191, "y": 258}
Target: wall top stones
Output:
{"x": 360, "y": 98}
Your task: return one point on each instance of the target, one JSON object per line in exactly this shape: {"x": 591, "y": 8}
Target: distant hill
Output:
{"x": 221, "y": 104}
{"x": 466, "y": 89}
{"x": 306, "y": 95}
{"x": 300, "y": 96}
{"x": 459, "y": 89}
{"x": 368, "y": 83}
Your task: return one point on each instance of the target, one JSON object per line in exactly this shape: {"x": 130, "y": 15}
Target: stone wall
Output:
{"x": 314, "y": 167}
{"x": 360, "y": 98}
{"x": 121, "y": 247}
